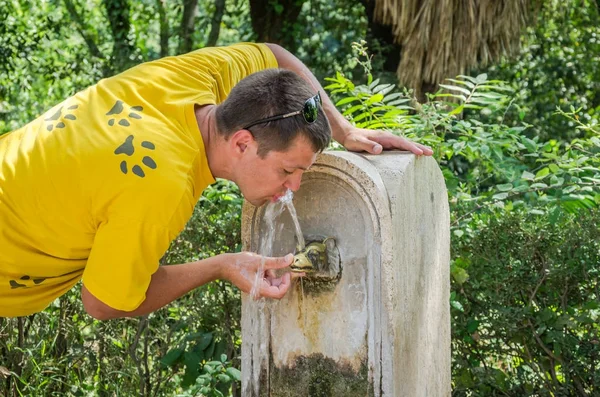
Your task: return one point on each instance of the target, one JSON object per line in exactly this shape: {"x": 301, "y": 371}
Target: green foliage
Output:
{"x": 489, "y": 165}
{"x": 527, "y": 320}
{"x": 197, "y": 353}
{"x": 525, "y": 258}
{"x": 321, "y": 43}
{"x": 39, "y": 69}
{"x": 215, "y": 379}
{"x": 214, "y": 227}
{"x": 557, "y": 67}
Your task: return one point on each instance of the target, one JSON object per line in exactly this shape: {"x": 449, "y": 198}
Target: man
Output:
{"x": 96, "y": 188}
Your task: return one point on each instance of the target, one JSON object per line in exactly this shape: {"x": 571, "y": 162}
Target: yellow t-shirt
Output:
{"x": 99, "y": 185}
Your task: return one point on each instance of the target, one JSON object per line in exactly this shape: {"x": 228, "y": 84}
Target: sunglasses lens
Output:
{"x": 310, "y": 110}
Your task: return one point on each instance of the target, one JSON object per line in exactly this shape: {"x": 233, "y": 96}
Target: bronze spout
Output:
{"x": 312, "y": 258}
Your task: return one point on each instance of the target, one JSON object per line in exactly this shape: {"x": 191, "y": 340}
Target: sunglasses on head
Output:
{"x": 310, "y": 112}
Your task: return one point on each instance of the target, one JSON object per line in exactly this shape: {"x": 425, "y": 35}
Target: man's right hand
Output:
{"x": 244, "y": 268}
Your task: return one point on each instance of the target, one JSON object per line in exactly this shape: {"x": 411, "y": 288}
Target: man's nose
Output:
{"x": 293, "y": 181}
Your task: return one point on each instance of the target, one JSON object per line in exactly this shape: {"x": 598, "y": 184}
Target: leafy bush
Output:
{"x": 557, "y": 67}
{"x": 526, "y": 321}
{"x": 525, "y": 256}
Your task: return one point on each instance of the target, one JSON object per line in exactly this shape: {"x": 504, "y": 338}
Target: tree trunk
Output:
{"x": 118, "y": 16}
{"x": 215, "y": 26}
{"x": 274, "y": 22}
{"x": 187, "y": 26}
{"x": 164, "y": 28}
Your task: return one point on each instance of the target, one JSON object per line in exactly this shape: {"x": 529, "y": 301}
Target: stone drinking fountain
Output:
{"x": 373, "y": 319}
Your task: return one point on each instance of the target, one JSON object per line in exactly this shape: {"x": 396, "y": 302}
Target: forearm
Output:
{"x": 167, "y": 284}
{"x": 286, "y": 60}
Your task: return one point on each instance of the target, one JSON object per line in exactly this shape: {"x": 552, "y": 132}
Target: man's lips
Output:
{"x": 276, "y": 197}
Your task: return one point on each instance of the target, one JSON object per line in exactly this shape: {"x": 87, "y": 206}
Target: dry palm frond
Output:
{"x": 445, "y": 38}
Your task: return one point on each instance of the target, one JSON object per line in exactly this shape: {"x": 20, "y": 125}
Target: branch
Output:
{"x": 215, "y": 26}
{"x": 82, "y": 29}
{"x": 542, "y": 344}
{"x": 133, "y": 352}
{"x": 164, "y": 28}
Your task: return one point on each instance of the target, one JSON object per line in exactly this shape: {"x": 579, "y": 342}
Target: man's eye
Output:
{"x": 288, "y": 172}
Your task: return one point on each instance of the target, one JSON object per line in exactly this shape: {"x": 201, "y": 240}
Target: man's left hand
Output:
{"x": 374, "y": 141}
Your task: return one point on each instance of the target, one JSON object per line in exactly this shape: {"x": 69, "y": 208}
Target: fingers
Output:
{"x": 427, "y": 151}
{"x": 374, "y": 142}
{"x": 391, "y": 141}
{"x": 360, "y": 143}
{"x": 279, "y": 263}
{"x": 276, "y": 288}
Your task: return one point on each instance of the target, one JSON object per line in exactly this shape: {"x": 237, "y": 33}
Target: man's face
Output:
{"x": 266, "y": 179}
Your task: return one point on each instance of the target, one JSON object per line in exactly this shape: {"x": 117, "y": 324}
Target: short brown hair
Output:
{"x": 268, "y": 93}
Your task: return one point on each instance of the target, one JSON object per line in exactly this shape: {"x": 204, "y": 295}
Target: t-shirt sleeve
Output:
{"x": 253, "y": 57}
{"x": 219, "y": 69}
{"x": 124, "y": 257}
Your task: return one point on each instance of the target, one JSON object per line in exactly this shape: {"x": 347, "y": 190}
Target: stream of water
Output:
{"x": 256, "y": 306}
{"x": 287, "y": 200}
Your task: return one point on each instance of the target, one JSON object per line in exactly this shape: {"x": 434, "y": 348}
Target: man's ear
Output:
{"x": 240, "y": 141}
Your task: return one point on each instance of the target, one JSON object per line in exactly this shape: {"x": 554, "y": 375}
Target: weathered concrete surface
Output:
{"x": 383, "y": 329}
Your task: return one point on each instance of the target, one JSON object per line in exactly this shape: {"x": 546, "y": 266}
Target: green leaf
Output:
{"x": 352, "y": 109}
{"x": 455, "y": 88}
{"x": 459, "y": 274}
{"x": 530, "y": 145}
{"x": 224, "y": 378}
{"x": 347, "y": 100}
{"x": 472, "y": 326}
{"x": 464, "y": 82}
{"x": 210, "y": 350}
{"x": 538, "y": 186}
{"x": 457, "y": 305}
{"x": 500, "y": 196}
{"x": 527, "y": 176}
{"x": 373, "y": 84}
{"x": 542, "y": 173}
{"x": 482, "y": 78}
{"x": 205, "y": 340}
{"x": 505, "y": 187}
{"x": 457, "y": 110}
{"x": 374, "y": 99}
{"x": 234, "y": 373}
{"x": 383, "y": 89}
{"x": 215, "y": 363}
{"x": 171, "y": 357}
{"x": 192, "y": 368}
{"x": 591, "y": 305}
{"x": 489, "y": 95}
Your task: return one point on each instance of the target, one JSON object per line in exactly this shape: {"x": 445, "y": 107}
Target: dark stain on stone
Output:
{"x": 320, "y": 376}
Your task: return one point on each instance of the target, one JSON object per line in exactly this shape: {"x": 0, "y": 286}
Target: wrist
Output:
{"x": 222, "y": 266}
{"x": 340, "y": 126}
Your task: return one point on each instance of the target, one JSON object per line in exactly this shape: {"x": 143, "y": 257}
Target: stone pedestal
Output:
{"x": 380, "y": 329}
